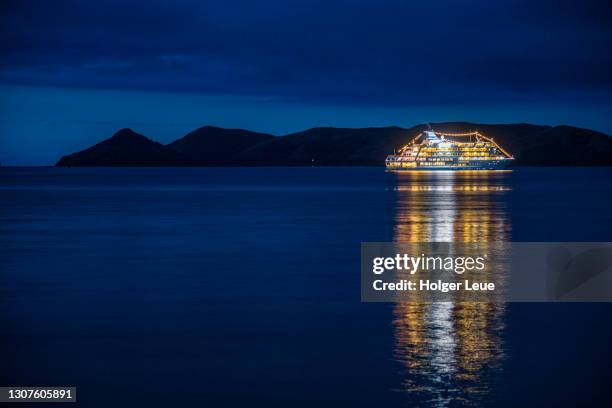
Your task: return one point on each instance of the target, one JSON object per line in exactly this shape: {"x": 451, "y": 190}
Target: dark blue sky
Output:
{"x": 296, "y": 63}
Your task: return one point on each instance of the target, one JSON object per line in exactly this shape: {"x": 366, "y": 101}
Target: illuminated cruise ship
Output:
{"x": 449, "y": 151}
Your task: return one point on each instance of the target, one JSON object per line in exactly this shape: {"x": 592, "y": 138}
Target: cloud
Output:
{"x": 373, "y": 52}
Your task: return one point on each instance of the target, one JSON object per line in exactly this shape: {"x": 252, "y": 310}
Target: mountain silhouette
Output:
{"x": 532, "y": 145}
{"x": 125, "y": 148}
{"x": 209, "y": 145}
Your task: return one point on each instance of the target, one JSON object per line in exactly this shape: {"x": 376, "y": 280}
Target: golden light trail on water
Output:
{"x": 450, "y": 346}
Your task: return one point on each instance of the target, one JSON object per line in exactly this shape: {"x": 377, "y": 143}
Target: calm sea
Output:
{"x": 240, "y": 287}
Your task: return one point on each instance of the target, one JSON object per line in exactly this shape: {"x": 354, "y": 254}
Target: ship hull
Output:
{"x": 480, "y": 165}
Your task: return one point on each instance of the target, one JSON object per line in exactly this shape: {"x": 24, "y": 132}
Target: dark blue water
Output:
{"x": 233, "y": 287}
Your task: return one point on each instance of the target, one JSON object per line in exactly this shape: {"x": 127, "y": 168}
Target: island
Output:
{"x": 531, "y": 145}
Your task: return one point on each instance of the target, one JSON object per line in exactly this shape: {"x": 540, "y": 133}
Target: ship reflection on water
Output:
{"x": 450, "y": 352}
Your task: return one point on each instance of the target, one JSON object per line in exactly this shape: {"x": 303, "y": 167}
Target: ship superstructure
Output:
{"x": 432, "y": 150}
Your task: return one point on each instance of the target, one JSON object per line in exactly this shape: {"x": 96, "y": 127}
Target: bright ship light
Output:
{"x": 436, "y": 152}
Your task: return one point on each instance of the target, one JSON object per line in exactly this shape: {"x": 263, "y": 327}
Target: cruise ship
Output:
{"x": 432, "y": 150}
